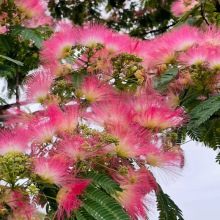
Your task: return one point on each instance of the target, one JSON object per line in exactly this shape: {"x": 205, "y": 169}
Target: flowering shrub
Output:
{"x": 111, "y": 111}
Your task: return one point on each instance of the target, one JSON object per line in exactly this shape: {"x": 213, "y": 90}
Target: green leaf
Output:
{"x": 218, "y": 158}
{"x": 5, "y": 69}
{"x": 82, "y": 214}
{"x": 168, "y": 210}
{"x": 28, "y": 34}
{"x": 107, "y": 203}
{"x": 101, "y": 180}
{"x": 166, "y": 77}
{"x": 78, "y": 79}
{"x": 6, "y": 42}
{"x": 204, "y": 111}
{"x": 12, "y": 60}
{"x": 2, "y": 101}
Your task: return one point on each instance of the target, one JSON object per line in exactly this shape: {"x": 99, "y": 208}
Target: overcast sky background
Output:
{"x": 197, "y": 189}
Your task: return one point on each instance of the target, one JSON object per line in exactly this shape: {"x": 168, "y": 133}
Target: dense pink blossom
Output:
{"x": 194, "y": 56}
{"x": 95, "y": 89}
{"x": 67, "y": 197}
{"x": 38, "y": 85}
{"x": 13, "y": 141}
{"x": 74, "y": 148}
{"x": 151, "y": 114}
{"x": 179, "y": 7}
{"x": 135, "y": 185}
{"x": 31, "y": 8}
{"x": 66, "y": 119}
{"x": 92, "y": 35}
{"x": 53, "y": 170}
{"x": 112, "y": 112}
{"x": 58, "y": 46}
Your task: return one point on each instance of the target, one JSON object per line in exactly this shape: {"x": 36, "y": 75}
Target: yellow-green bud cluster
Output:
{"x": 12, "y": 165}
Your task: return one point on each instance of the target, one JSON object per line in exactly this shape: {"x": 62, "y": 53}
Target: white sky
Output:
{"x": 197, "y": 190}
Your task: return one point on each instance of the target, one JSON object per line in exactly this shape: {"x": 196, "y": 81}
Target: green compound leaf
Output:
{"x": 103, "y": 181}
{"x": 168, "y": 210}
{"x": 12, "y": 60}
{"x": 167, "y": 77}
{"x": 103, "y": 207}
{"x": 204, "y": 111}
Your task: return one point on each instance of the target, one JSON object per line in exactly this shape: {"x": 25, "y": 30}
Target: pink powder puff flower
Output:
{"x": 58, "y": 69}
{"x": 65, "y": 120}
{"x": 92, "y": 35}
{"x": 13, "y": 142}
{"x": 183, "y": 37}
{"x": 112, "y": 112}
{"x": 73, "y": 147}
{"x": 135, "y": 185}
{"x": 165, "y": 160}
{"x": 67, "y": 197}
{"x": 3, "y": 29}
{"x": 163, "y": 53}
{"x": 95, "y": 90}
{"x": 43, "y": 132}
{"x": 53, "y": 170}
{"x": 214, "y": 59}
{"x": 211, "y": 36}
{"x": 179, "y": 7}
{"x": 38, "y": 85}
{"x": 194, "y": 56}
{"x": 133, "y": 142}
{"x": 117, "y": 43}
{"x": 40, "y": 20}
{"x": 20, "y": 205}
{"x": 58, "y": 46}
{"x": 31, "y": 8}
{"x": 151, "y": 114}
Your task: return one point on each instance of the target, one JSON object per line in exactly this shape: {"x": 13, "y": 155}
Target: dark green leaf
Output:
{"x": 101, "y": 180}
{"x": 166, "y": 77}
{"x": 6, "y": 42}
{"x": 204, "y": 111}
{"x": 168, "y": 210}
{"x": 109, "y": 204}
{"x": 82, "y": 214}
{"x": 12, "y": 60}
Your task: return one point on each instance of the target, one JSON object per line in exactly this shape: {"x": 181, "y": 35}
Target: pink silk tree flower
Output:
{"x": 13, "y": 142}
{"x": 67, "y": 197}
{"x": 133, "y": 142}
{"x": 58, "y": 46}
{"x": 211, "y": 36}
{"x": 54, "y": 170}
{"x": 195, "y": 56}
{"x": 73, "y": 147}
{"x": 38, "y": 85}
{"x": 135, "y": 185}
{"x": 92, "y": 35}
{"x": 180, "y": 7}
{"x": 213, "y": 59}
{"x": 31, "y": 8}
{"x": 117, "y": 43}
{"x": 43, "y": 131}
{"x": 112, "y": 112}
{"x": 182, "y": 38}
{"x": 95, "y": 90}
{"x": 166, "y": 160}
{"x": 152, "y": 114}
{"x": 3, "y": 29}
{"x": 21, "y": 206}
{"x": 66, "y": 119}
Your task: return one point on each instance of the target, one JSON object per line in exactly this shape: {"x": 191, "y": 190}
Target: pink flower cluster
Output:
{"x": 60, "y": 140}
